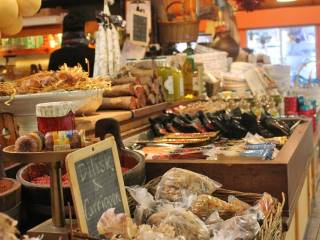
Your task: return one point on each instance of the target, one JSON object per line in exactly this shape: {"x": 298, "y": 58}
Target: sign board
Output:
{"x": 136, "y": 15}
{"x": 139, "y": 32}
{"x": 96, "y": 183}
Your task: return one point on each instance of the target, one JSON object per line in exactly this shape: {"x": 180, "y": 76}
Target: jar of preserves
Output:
{"x": 55, "y": 116}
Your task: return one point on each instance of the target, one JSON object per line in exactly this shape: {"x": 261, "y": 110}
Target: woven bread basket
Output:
{"x": 271, "y": 229}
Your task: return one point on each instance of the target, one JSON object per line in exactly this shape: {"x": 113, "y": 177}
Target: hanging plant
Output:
{"x": 248, "y": 5}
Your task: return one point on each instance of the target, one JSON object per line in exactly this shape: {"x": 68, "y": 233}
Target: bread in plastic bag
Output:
{"x": 213, "y": 218}
{"x": 266, "y": 204}
{"x": 111, "y": 224}
{"x": 146, "y": 205}
{"x": 161, "y": 232}
{"x": 185, "y": 223}
{"x": 205, "y": 205}
{"x": 121, "y": 227}
{"x": 244, "y": 227}
{"x": 177, "y": 180}
{"x": 237, "y": 205}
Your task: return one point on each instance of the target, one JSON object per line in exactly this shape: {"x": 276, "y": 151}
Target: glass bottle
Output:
{"x": 164, "y": 71}
{"x": 177, "y": 82}
{"x": 172, "y": 80}
{"x": 187, "y": 71}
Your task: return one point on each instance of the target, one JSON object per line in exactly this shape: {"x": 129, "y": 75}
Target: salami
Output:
{"x": 120, "y": 90}
{"x": 125, "y": 80}
{"x": 119, "y": 103}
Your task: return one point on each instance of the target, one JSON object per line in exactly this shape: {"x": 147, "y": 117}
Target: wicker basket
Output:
{"x": 172, "y": 32}
{"x": 174, "y": 29}
{"x": 271, "y": 228}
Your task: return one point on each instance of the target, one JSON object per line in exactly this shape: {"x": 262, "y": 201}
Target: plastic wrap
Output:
{"x": 185, "y": 223}
{"x": 146, "y": 203}
{"x": 237, "y": 205}
{"x": 265, "y": 154}
{"x": 205, "y": 205}
{"x": 177, "y": 180}
{"x": 8, "y": 228}
{"x": 266, "y": 203}
{"x": 240, "y": 227}
{"x": 111, "y": 224}
{"x": 121, "y": 227}
{"x": 260, "y": 146}
{"x": 161, "y": 232}
{"x": 214, "y": 218}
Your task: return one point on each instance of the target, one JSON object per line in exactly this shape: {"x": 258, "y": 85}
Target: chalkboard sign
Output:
{"x": 96, "y": 183}
{"x": 139, "y": 31}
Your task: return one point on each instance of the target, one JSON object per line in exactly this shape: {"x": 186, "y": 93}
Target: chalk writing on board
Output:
{"x": 91, "y": 209}
{"x": 99, "y": 187}
{"x": 140, "y": 28}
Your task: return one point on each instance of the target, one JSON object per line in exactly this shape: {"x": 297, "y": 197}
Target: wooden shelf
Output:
{"x": 21, "y": 52}
{"x": 91, "y": 26}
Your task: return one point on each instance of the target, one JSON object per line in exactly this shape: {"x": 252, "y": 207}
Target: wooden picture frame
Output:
{"x": 88, "y": 154}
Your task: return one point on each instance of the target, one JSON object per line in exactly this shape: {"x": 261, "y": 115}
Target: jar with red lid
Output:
{"x": 55, "y": 116}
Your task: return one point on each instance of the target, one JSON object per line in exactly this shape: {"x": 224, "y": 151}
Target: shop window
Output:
{"x": 294, "y": 46}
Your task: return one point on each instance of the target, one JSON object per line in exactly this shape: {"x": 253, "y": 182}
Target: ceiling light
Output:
{"x": 284, "y": 1}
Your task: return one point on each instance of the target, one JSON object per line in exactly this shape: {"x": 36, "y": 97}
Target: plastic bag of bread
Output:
{"x": 176, "y": 181}
{"x": 266, "y": 203}
{"x": 8, "y": 228}
{"x": 205, "y": 205}
{"x": 244, "y": 227}
{"x": 146, "y": 203}
{"x": 184, "y": 222}
{"x": 237, "y": 205}
{"x": 214, "y": 218}
{"x": 121, "y": 227}
{"x": 111, "y": 224}
{"x": 161, "y": 232}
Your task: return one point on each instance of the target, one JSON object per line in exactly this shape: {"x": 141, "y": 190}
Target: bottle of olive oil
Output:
{"x": 172, "y": 79}
{"x": 188, "y": 69}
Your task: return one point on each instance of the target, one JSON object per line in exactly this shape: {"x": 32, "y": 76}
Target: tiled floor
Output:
{"x": 313, "y": 231}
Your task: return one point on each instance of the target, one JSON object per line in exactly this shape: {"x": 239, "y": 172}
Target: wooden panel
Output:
{"x": 312, "y": 179}
{"x": 291, "y": 234}
{"x": 303, "y": 210}
{"x": 302, "y": 148}
{"x": 241, "y": 177}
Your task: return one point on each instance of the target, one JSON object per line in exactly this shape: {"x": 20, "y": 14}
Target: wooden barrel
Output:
{"x": 36, "y": 197}
{"x": 10, "y": 197}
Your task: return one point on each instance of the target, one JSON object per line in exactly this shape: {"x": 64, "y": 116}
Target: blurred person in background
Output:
{"x": 74, "y": 49}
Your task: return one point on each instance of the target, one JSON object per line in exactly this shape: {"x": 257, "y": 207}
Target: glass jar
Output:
{"x": 55, "y": 116}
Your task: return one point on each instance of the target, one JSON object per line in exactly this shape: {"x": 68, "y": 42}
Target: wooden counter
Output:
{"x": 286, "y": 173}
{"x": 88, "y": 123}
{"x": 129, "y": 120}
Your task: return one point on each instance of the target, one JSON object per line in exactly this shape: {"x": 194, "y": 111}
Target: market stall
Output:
{"x": 165, "y": 134}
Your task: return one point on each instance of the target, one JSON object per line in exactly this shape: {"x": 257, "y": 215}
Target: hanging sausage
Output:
{"x": 107, "y": 59}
